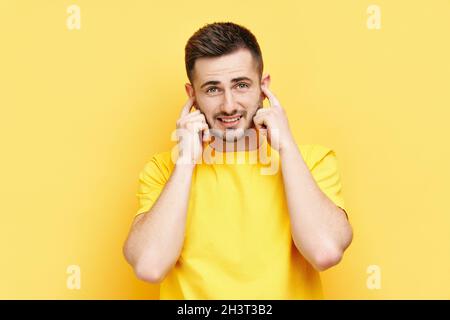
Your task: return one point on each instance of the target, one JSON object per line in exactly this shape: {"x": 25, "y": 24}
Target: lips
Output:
{"x": 229, "y": 121}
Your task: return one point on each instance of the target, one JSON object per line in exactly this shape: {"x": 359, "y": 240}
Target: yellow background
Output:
{"x": 83, "y": 110}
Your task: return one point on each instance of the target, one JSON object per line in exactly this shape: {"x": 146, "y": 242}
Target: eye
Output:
{"x": 242, "y": 85}
{"x": 212, "y": 90}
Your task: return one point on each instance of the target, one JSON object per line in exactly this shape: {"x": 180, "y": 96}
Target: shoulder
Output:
{"x": 159, "y": 164}
{"x": 313, "y": 154}
{"x": 164, "y": 158}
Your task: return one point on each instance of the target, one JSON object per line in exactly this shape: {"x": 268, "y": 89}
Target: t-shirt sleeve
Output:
{"x": 152, "y": 180}
{"x": 324, "y": 168}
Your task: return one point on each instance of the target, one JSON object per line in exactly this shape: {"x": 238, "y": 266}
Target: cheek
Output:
{"x": 246, "y": 100}
{"x": 209, "y": 110}
{"x": 208, "y": 103}
{"x": 252, "y": 102}
{"x": 206, "y": 106}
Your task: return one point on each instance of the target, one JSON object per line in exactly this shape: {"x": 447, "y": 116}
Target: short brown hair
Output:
{"x": 220, "y": 38}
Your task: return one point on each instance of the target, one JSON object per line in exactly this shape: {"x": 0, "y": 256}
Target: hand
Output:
{"x": 273, "y": 123}
{"x": 192, "y": 129}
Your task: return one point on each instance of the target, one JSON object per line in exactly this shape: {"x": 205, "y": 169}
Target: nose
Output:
{"x": 227, "y": 105}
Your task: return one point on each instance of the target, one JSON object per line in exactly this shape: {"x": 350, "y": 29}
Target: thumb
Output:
{"x": 206, "y": 135}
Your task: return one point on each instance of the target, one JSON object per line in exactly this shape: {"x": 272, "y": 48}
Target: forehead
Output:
{"x": 224, "y": 68}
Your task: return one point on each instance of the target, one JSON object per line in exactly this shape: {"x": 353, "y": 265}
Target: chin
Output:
{"x": 234, "y": 135}
{"x": 228, "y": 135}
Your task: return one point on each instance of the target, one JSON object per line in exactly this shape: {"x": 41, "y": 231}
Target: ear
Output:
{"x": 265, "y": 81}
{"x": 190, "y": 92}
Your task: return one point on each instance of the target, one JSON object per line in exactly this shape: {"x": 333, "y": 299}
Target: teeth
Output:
{"x": 230, "y": 120}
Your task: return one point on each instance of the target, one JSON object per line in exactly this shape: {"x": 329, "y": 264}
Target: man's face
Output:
{"x": 227, "y": 91}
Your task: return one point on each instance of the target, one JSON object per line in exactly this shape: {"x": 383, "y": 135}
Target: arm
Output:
{"x": 320, "y": 229}
{"x": 156, "y": 237}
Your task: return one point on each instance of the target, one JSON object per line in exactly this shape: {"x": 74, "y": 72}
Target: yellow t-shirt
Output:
{"x": 238, "y": 243}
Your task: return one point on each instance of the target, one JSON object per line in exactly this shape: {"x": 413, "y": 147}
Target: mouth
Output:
{"x": 228, "y": 122}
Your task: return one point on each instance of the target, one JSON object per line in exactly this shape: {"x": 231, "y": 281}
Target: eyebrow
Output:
{"x": 215, "y": 82}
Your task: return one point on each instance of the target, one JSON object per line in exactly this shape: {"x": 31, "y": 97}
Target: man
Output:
{"x": 226, "y": 230}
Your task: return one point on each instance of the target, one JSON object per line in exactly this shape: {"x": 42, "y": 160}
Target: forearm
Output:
{"x": 156, "y": 239}
{"x": 320, "y": 229}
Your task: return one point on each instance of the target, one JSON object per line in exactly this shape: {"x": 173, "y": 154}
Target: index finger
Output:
{"x": 272, "y": 99}
{"x": 187, "y": 107}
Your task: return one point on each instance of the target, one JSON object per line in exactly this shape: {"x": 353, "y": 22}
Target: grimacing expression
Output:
{"x": 227, "y": 91}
